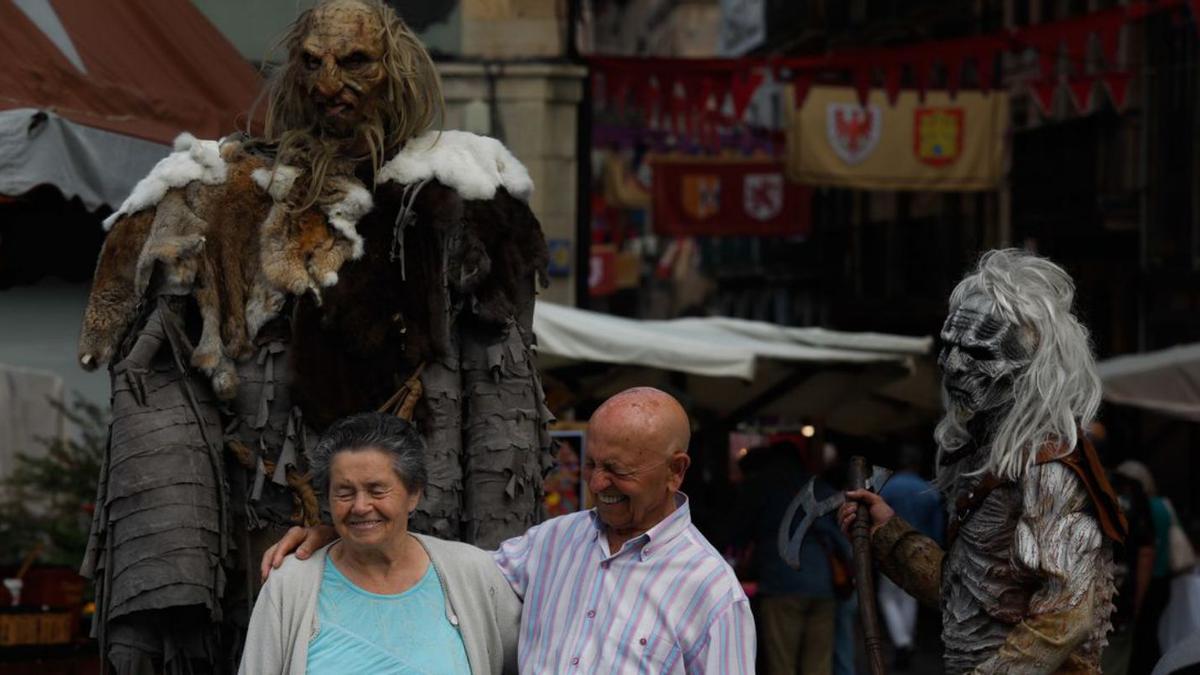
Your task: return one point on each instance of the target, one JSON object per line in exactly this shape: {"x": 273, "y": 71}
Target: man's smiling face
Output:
{"x": 341, "y": 65}
{"x": 635, "y": 460}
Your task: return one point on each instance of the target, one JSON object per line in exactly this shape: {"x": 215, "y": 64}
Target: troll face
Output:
{"x": 982, "y": 353}
{"x": 343, "y": 72}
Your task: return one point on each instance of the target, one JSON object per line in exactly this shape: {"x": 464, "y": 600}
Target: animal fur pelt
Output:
{"x": 437, "y": 266}
{"x": 237, "y": 246}
{"x": 472, "y": 261}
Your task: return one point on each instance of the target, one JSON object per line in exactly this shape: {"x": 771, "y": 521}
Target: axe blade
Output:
{"x": 879, "y": 477}
{"x": 789, "y": 541}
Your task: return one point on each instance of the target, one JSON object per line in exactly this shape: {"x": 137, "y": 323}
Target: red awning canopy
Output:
{"x": 149, "y": 69}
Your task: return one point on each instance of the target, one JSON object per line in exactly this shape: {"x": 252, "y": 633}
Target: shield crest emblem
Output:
{"x": 938, "y": 135}
{"x": 700, "y": 195}
{"x": 762, "y": 195}
{"x": 853, "y": 130}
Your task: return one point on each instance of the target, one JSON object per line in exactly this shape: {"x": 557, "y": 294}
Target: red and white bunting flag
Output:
{"x": 1110, "y": 39}
{"x": 862, "y": 80}
{"x": 891, "y": 80}
{"x": 1043, "y": 92}
{"x": 801, "y": 83}
{"x": 953, "y": 60}
{"x": 742, "y": 88}
{"x": 985, "y": 64}
{"x": 1081, "y": 90}
{"x": 1117, "y": 84}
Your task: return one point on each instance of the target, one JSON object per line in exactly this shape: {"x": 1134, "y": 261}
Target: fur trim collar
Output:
{"x": 474, "y": 166}
{"x": 192, "y": 160}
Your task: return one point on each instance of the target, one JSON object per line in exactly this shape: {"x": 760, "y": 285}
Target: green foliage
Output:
{"x": 49, "y": 499}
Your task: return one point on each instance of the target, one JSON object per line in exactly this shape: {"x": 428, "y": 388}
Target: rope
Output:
{"x": 308, "y": 507}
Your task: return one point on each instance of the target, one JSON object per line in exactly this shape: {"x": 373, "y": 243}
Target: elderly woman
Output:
{"x": 381, "y": 599}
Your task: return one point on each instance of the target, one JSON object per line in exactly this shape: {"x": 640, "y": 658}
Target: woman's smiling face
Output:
{"x": 369, "y": 502}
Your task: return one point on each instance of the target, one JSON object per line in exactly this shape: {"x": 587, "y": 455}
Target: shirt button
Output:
{"x": 575, "y": 661}
{"x": 591, "y": 613}
{"x": 604, "y": 565}
{"x": 642, "y": 642}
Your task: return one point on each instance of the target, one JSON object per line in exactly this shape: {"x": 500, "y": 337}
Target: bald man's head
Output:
{"x": 635, "y": 460}
{"x": 649, "y": 413}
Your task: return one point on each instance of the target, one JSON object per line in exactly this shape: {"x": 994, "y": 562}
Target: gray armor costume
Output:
{"x": 1028, "y": 550}
{"x": 1025, "y": 584}
{"x": 205, "y": 469}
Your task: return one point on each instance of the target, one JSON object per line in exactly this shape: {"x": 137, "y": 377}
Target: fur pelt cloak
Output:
{"x": 236, "y": 326}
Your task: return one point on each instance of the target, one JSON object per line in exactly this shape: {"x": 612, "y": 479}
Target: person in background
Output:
{"x": 797, "y": 607}
{"x": 1134, "y": 567}
{"x": 919, "y": 503}
{"x": 1146, "y": 651}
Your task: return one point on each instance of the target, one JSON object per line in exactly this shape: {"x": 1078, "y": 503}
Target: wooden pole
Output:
{"x": 860, "y": 538}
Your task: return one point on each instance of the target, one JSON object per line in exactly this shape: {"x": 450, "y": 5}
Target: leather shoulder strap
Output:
{"x": 1085, "y": 464}
{"x": 967, "y": 503}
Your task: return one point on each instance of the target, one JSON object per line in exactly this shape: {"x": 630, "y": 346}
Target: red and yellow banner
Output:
{"x": 716, "y": 196}
{"x": 940, "y": 143}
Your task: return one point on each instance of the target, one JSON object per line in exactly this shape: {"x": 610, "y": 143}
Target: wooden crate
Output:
{"x": 24, "y": 626}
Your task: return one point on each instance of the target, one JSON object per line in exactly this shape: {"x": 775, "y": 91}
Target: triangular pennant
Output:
{"x": 616, "y": 89}
{"x": 742, "y": 88}
{"x": 704, "y": 94}
{"x": 862, "y": 81}
{"x": 985, "y": 68}
{"x": 1109, "y": 33}
{"x": 1043, "y": 94}
{"x": 1047, "y": 50}
{"x": 1117, "y": 83}
{"x": 953, "y": 61}
{"x": 921, "y": 64}
{"x": 1075, "y": 36}
{"x": 801, "y": 83}
{"x": 1081, "y": 89}
{"x": 891, "y": 80}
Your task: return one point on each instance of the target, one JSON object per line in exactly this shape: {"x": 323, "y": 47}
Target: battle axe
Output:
{"x": 790, "y": 541}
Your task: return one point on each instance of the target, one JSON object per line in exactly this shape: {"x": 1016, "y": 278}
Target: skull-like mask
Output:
{"x": 982, "y": 353}
{"x": 342, "y": 68}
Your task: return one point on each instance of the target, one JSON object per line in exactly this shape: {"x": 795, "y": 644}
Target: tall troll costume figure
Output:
{"x": 1025, "y": 584}
{"x": 252, "y": 290}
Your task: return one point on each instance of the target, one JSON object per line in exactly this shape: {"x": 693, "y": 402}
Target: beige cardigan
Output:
{"x": 479, "y": 601}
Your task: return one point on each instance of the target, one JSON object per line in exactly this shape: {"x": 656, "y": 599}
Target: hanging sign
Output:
{"x": 939, "y": 143}
{"x": 714, "y": 196}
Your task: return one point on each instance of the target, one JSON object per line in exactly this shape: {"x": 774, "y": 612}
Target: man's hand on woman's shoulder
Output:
{"x": 303, "y": 540}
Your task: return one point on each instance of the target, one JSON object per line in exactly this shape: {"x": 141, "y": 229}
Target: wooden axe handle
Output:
{"x": 860, "y": 538}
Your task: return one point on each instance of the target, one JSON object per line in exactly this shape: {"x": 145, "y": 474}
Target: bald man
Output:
{"x": 631, "y": 585}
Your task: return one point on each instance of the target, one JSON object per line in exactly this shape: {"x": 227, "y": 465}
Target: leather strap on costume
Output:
{"x": 404, "y": 401}
{"x": 1085, "y": 464}
{"x": 966, "y": 504}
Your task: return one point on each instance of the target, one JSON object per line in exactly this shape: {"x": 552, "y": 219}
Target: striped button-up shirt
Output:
{"x": 667, "y": 602}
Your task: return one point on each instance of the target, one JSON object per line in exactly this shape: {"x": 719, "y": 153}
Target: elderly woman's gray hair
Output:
{"x": 372, "y": 431}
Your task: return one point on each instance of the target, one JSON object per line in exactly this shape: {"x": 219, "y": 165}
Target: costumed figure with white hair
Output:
{"x": 254, "y": 289}
{"x": 1025, "y": 583}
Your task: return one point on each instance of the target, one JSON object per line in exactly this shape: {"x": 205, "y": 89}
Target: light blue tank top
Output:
{"x": 402, "y": 634}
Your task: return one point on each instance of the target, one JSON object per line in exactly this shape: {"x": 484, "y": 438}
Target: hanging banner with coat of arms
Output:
{"x": 717, "y": 196}
{"x": 939, "y": 143}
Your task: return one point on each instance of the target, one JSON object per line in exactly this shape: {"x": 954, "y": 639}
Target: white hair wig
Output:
{"x": 1059, "y": 391}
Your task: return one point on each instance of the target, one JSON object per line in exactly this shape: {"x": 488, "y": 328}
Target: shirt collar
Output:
{"x": 652, "y": 540}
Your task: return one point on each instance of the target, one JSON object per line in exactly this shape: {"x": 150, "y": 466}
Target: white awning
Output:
{"x": 858, "y": 383}
{"x": 1166, "y": 381}
{"x": 714, "y": 347}
{"x": 97, "y": 166}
